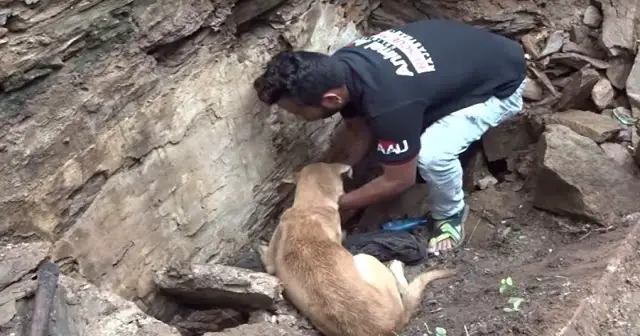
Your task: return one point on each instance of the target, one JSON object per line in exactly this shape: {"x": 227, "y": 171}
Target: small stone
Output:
{"x": 620, "y": 154}
{"x": 554, "y": 43}
{"x": 586, "y": 47}
{"x": 592, "y": 17}
{"x": 578, "y": 34}
{"x": 597, "y": 127}
{"x": 578, "y": 90}
{"x": 633, "y": 86}
{"x": 618, "y": 71}
{"x": 577, "y": 61}
{"x": 486, "y": 182}
{"x": 3, "y": 31}
{"x": 219, "y": 286}
{"x": 532, "y": 90}
{"x": 500, "y": 141}
{"x": 198, "y": 322}
{"x": 264, "y": 328}
{"x": 603, "y": 93}
{"x": 576, "y": 178}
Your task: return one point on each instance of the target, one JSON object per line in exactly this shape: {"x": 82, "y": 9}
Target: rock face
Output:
{"x": 130, "y": 134}
{"x": 576, "y": 178}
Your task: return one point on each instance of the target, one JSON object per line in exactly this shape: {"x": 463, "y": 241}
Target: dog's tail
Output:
{"x": 412, "y": 297}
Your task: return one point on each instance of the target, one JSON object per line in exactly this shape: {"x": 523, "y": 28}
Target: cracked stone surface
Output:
{"x": 130, "y": 136}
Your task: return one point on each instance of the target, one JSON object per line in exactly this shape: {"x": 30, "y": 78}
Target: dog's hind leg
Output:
{"x": 377, "y": 275}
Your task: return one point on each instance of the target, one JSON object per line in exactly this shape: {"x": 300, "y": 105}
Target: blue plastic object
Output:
{"x": 406, "y": 224}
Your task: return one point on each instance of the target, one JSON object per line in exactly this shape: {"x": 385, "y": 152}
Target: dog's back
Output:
{"x": 324, "y": 282}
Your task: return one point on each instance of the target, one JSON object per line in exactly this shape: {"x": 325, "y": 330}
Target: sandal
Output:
{"x": 450, "y": 228}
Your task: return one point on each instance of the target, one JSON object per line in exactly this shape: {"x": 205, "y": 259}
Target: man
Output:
{"x": 424, "y": 92}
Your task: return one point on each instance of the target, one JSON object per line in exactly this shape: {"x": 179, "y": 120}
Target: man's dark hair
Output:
{"x": 301, "y": 76}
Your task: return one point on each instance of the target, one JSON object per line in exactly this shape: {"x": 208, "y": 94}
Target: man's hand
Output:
{"x": 395, "y": 179}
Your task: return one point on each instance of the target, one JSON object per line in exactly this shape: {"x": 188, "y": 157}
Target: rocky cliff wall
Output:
{"x": 130, "y": 136}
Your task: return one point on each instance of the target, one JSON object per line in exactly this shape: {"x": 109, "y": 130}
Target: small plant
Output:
{"x": 441, "y": 331}
{"x": 507, "y": 287}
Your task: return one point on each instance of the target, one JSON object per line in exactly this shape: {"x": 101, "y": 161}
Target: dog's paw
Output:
{"x": 396, "y": 266}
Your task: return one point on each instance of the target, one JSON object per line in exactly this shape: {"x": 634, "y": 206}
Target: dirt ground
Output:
{"x": 554, "y": 265}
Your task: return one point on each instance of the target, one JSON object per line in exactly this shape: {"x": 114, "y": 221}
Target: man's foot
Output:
{"x": 448, "y": 233}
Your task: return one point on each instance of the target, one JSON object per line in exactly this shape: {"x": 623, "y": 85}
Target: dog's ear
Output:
{"x": 292, "y": 178}
{"x": 344, "y": 169}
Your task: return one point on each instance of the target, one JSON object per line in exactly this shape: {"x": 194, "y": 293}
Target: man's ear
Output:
{"x": 291, "y": 178}
{"x": 344, "y": 169}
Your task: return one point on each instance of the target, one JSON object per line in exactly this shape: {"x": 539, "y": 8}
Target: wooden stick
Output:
{"x": 48, "y": 273}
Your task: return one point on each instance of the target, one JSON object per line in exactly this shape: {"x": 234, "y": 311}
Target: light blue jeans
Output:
{"x": 443, "y": 141}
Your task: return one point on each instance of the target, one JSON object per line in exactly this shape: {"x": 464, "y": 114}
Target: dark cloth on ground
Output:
{"x": 388, "y": 245}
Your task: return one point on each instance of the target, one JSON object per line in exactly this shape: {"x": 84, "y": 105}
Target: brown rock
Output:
{"x": 618, "y": 26}
{"x": 586, "y": 47}
{"x": 633, "y": 86}
{"x": 618, "y": 71}
{"x": 597, "y": 127}
{"x": 219, "y": 286}
{"x": 554, "y": 43}
{"x": 579, "y": 88}
{"x": 592, "y": 17}
{"x": 603, "y": 94}
{"x": 500, "y": 141}
{"x": 476, "y": 174}
{"x": 576, "y": 178}
{"x": 532, "y": 90}
{"x": 620, "y": 154}
{"x": 579, "y": 34}
{"x": 198, "y": 322}
{"x": 577, "y": 61}
{"x": 264, "y": 328}
{"x": 530, "y": 45}
{"x": 17, "y": 260}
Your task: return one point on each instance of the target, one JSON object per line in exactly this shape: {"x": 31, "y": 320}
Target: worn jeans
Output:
{"x": 443, "y": 141}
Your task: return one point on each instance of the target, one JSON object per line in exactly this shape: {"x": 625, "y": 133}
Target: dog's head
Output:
{"x": 325, "y": 179}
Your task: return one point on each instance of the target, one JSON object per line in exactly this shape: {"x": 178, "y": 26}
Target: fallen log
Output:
{"x": 48, "y": 273}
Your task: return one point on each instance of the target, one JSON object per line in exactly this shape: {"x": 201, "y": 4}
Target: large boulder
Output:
{"x": 576, "y": 178}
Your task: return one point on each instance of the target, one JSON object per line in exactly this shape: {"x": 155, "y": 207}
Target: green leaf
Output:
{"x": 441, "y": 331}
{"x": 509, "y": 281}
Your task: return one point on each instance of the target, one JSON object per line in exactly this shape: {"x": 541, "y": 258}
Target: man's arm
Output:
{"x": 398, "y": 144}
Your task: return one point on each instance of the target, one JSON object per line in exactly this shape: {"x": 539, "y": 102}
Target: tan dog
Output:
{"x": 342, "y": 295}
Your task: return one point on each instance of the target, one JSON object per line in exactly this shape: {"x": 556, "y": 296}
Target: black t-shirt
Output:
{"x": 403, "y": 80}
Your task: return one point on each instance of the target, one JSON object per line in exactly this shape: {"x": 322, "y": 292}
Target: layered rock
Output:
{"x": 130, "y": 134}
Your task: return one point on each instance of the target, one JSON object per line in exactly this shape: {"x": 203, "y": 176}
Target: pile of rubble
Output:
{"x": 215, "y": 300}
{"x": 585, "y": 92}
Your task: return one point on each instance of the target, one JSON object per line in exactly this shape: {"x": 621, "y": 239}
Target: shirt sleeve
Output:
{"x": 397, "y": 133}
